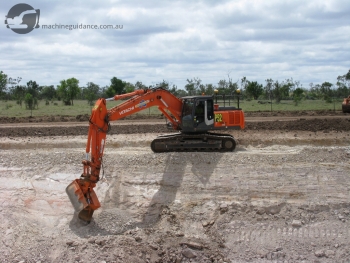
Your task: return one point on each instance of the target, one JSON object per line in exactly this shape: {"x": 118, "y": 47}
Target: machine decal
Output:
{"x": 126, "y": 110}
{"x": 142, "y": 104}
{"x": 218, "y": 117}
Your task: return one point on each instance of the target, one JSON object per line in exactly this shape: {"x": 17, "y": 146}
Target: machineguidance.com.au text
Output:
{"x": 81, "y": 26}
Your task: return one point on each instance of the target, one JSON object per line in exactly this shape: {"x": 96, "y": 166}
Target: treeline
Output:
{"x": 69, "y": 90}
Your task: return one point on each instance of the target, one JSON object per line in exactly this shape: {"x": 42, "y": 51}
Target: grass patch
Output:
{"x": 57, "y": 108}
{"x": 286, "y": 105}
{"x": 81, "y": 107}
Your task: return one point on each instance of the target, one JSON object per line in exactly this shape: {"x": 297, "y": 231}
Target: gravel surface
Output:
{"x": 282, "y": 196}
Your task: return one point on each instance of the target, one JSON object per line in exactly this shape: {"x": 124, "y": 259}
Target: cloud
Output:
{"x": 179, "y": 40}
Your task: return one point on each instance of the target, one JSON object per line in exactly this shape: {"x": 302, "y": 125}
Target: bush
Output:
{"x": 67, "y": 102}
{"x": 328, "y": 99}
{"x": 29, "y": 101}
{"x": 7, "y": 106}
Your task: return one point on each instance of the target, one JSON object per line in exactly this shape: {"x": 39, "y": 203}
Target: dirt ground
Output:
{"x": 281, "y": 196}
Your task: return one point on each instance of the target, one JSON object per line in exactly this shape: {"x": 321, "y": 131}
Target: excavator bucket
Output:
{"x": 84, "y": 204}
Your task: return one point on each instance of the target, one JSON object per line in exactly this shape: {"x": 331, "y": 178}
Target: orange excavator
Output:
{"x": 192, "y": 116}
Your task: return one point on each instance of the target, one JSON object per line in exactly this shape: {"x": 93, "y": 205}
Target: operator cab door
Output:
{"x": 198, "y": 114}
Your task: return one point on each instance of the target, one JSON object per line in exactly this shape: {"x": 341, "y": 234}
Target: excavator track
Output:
{"x": 207, "y": 142}
{"x": 346, "y": 108}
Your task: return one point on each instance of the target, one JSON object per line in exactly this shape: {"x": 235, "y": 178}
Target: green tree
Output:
{"x": 254, "y": 89}
{"x": 18, "y": 93}
{"x": 343, "y": 83}
{"x": 222, "y": 87}
{"x": 139, "y": 85}
{"x": 91, "y": 92}
{"x": 48, "y": 92}
{"x": 102, "y": 92}
{"x": 73, "y": 88}
{"x": 268, "y": 89}
{"x": 326, "y": 90}
{"x": 30, "y": 102}
{"x": 314, "y": 91}
{"x": 209, "y": 89}
{"x": 172, "y": 88}
{"x": 62, "y": 91}
{"x": 129, "y": 87}
{"x": 163, "y": 84}
{"x": 117, "y": 87}
{"x": 280, "y": 90}
{"x": 3, "y": 84}
{"x": 14, "y": 91}
{"x": 298, "y": 95}
{"x": 193, "y": 86}
{"x": 244, "y": 83}
{"x": 33, "y": 89}
{"x": 227, "y": 87}
{"x": 68, "y": 90}
{"x": 291, "y": 85}
{"x": 347, "y": 75}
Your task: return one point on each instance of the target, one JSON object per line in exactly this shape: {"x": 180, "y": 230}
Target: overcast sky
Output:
{"x": 308, "y": 41}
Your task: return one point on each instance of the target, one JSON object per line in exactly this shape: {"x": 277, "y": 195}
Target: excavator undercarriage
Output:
{"x": 180, "y": 142}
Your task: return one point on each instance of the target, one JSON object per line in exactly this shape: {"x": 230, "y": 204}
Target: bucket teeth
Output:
{"x": 86, "y": 214}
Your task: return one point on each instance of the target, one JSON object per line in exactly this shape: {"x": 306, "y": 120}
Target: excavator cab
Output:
{"x": 197, "y": 114}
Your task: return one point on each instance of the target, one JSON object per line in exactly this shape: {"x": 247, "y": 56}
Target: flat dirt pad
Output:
{"x": 282, "y": 196}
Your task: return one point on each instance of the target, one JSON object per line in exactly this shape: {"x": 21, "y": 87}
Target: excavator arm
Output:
{"x": 167, "y": 103}
{"x": 80, "y": 191}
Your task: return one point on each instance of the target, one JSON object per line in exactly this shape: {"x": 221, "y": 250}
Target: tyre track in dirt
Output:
{"x": 257, "y": 204}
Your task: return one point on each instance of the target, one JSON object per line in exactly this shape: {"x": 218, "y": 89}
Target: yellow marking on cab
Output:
{"x": 218, "y": 117}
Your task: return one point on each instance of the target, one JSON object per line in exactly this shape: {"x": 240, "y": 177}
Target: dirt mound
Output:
{"x": 333, "y": 121}
{"x": 293, "y": 113}
{"x": 85, "y": 117}
{"x": 312, "y": 125}
{"x": 29, "y": 119}
{"x": 334, "y": 124}
{"x": 66, "y": 118}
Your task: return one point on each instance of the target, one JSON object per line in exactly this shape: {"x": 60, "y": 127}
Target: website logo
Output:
{"x": 22, "y": 18}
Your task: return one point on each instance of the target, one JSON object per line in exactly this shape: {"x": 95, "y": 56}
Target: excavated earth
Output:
{"x": 282, "y": 196}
